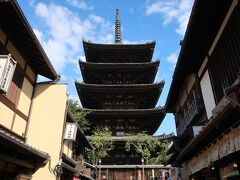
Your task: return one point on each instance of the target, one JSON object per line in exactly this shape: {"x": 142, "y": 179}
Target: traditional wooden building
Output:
{"x": 33, "y": 116}
{"x": 21, "y": 60}
{"x": 205, "y": 93}
{"x": 119, "y": 92}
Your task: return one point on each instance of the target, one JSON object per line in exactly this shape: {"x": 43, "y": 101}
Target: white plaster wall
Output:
{"x": 207, "y": 93}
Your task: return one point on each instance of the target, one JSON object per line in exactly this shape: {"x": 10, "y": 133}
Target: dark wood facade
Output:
{"x": 206, "y": 105}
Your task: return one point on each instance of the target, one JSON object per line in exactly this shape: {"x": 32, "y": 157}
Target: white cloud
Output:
{"x": 172, "y": 10}
{"x": 80, "y": 4}
{"x": 64, "y": 30}
{"x": 172, "y": 58}
{"x": 83, "y": 58}
{"x": 97, "y": 19}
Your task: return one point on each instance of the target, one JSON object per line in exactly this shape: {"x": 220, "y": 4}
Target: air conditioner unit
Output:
{"x": 70, "y": 132}
{"x": 7, "y": 68}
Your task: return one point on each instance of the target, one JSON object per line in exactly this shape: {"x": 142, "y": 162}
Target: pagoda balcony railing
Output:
{"x": 194, "y": 108}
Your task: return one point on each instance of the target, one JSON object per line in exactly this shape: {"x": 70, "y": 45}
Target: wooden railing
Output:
{"x": 195, "y": 107}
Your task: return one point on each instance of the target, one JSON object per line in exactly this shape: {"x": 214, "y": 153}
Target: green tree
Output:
{"x": 78, "y": 114}
{"x": 102, "y": 142}
{"x": 149, "y": 147}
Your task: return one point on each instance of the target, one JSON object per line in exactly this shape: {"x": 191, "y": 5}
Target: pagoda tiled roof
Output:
{"x": 119, "y": 86}
{"x": 120, "y": 65}
{"x": 148, "y": 119}
{"x": 156, "y": 110}
{"x": 110, "y": 73}
{"x": 99, "y": 95}
{"x": 149, "y": 44}
{"x": 118, "y": 52}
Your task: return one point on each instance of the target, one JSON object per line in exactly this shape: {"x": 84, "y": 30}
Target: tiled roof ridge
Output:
{"x": 124, "y": 110}
{"x": 120, "y": 85}
{"x": 125, "y": 63}
{"x": 152, "y": 42}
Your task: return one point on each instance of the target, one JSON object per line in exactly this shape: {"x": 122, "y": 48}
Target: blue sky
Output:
{"x": 60, "y": 26}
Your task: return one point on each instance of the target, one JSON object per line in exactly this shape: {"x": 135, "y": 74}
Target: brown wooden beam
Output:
{"x": 16, "y": 161}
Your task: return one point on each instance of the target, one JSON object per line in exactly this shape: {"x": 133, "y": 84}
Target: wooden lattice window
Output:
{"x": 224, "y": 63}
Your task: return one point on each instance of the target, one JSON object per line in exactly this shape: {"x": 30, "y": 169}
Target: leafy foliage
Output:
{"x": 150, "y": 148}
{"x": 78, "y": 114}
{"x": 102, "y": 141}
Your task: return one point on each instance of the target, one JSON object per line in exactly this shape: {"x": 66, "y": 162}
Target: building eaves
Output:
{"x": 19, "y": 31}
{"x": 10, "y": 139}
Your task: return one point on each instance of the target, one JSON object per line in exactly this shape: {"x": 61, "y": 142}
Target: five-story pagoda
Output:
{"x": 119, "y": 91}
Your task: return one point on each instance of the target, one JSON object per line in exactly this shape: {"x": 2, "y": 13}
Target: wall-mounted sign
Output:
{"x": 7, "y": 67}
{"x": 70, "y": 131}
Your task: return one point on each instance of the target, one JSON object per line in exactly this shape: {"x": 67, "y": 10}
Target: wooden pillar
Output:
{"x": 139, "y": 174}
{"x": 153, "y": 174}
{"x": 107, "y": 174}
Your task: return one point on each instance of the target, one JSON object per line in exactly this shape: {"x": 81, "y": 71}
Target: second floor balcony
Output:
{"x": 190, "y": 112}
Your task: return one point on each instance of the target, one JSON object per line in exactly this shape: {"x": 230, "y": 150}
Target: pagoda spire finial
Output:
{"x": 117, "y": 28}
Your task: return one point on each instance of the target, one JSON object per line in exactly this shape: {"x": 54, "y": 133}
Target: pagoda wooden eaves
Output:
{"x": 119, "y": 73}
{"x": 122, "y": 87}
{"x": 119, "y": 96}
{"x": 127, "y": 112}
{"x": 118, "y": 53}
{"x": 119, "y": 65}
{"x": 127, "y": 120}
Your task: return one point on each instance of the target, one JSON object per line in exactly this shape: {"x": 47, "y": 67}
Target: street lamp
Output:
{"x": 143, "y": 168}
{"x": 99, "y": 169}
